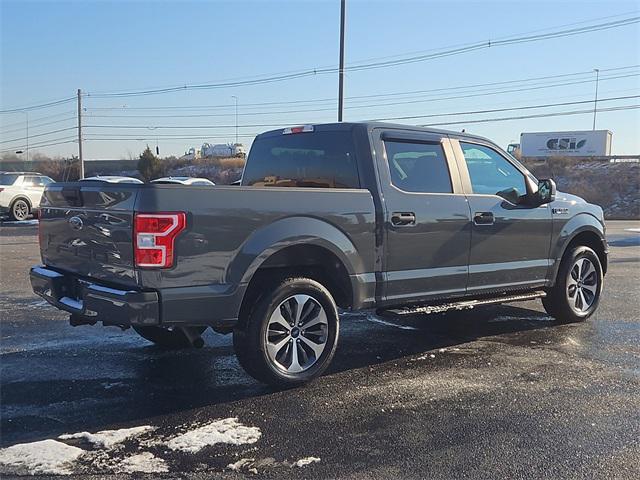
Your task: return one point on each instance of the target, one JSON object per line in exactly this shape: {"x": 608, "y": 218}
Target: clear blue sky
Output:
{"x": 50, "y": 49}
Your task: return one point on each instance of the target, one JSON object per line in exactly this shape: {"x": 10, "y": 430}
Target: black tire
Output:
{"x": 19, "y": 210}
{"x": 559, "y": 304}
{"x": 251, "y": 337}
{"x": 164, "y": 337}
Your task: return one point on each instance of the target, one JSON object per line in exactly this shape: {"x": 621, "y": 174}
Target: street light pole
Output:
{"x": 595, "y": 102}
{"x": 236, "y": 99}
{"x": 341, "y": 67}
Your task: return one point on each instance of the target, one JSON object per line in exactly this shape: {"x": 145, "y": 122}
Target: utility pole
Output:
{"x": 341, "y": 68}
{"x": 27, "y": 115}
{"x": 236, "y": 99}
{"x": 595, "y": 102}
{"x": 80, "y": 134}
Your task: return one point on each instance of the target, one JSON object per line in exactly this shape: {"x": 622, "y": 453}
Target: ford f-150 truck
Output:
{"x": 344, "y": 216}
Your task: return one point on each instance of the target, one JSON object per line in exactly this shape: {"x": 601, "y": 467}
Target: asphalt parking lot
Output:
{"x": 502, "y": 392}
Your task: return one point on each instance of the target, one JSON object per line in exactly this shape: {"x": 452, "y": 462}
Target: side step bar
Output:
{"x": 463, "y": 305}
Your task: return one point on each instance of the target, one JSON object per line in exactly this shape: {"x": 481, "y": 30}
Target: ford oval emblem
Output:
{"x": 76, "y": 223}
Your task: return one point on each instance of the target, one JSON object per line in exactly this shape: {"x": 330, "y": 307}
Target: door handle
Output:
{"x": 483, "y": 218}
{"x": 403, "y": 218}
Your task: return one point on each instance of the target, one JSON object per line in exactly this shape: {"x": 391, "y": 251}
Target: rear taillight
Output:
{"x": 154, "y": 237}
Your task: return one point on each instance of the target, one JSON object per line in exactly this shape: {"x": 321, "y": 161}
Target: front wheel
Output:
{"x": 576, "y": 293}
{"x": 291, "y": 334}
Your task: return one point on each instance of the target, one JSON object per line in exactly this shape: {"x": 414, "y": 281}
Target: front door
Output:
{"x": 427, "y": 229}
{"x": 510, "y": 241}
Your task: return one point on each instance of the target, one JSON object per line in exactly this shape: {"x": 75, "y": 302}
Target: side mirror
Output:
{"x": 546, "y": 192}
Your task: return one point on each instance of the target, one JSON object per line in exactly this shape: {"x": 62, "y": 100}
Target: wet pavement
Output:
{"x": 493, "y": 393}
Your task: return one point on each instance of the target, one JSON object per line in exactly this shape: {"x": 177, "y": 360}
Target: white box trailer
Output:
{"x": 586, "y": 143}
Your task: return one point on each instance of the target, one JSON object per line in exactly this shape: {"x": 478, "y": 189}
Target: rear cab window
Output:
{"x": 418, "y": 167}
{"x": 315, "y": 159}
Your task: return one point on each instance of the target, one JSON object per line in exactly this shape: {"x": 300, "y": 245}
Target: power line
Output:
{"x": 382, "y": 64}
{"x": 31, "y": 120}
{"x": 405, "y": 101}
{"x": 258, "y": 125}
{"x": 31, "y": 126}
{"x": 42, "y": 144}
{"x": 38, "y": 135}
{"x": 526, "y": 107}
{"x": 539, "y": 115}
{"x": 39, "y": 106}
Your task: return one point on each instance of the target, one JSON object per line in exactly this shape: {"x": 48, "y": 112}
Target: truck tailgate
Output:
{"x": 86, "y": 228}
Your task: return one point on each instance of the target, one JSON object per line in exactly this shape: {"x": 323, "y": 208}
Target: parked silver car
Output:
{"x": 20, "y": 193}
{"x": 184, "y": 180}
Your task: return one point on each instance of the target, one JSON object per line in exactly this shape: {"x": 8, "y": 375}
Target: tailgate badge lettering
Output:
{"x": 76, "y": 223}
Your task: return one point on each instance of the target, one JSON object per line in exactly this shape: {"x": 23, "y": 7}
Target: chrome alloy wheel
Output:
{"x": 20, "y": 210}
{"x": 582, "y": 285}
{"x": 296, "y": 334}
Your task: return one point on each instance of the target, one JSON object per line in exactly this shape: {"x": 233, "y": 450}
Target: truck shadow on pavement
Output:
{"x": 112, "y": 384}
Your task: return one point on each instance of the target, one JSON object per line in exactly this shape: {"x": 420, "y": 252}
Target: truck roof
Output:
{"x": 372, "y": 125}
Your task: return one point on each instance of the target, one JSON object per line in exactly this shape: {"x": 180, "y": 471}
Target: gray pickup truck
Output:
{"x": 339, "y": 216}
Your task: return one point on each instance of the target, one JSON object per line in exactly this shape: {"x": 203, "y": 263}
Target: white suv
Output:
{"x": 20, "y": 192}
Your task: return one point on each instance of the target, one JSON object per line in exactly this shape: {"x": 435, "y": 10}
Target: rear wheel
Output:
{"x": 291, "y": 334}
{"x": 169, "y": 337}
{"x": 19, "y": 210}
{"x": 576, "y": 293}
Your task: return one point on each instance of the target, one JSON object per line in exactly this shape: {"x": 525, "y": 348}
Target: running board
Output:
{"x": 464, "y": 305}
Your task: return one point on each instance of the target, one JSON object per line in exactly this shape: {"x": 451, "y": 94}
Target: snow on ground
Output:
{"x": 108, "y": 438}
{"x": 144, "y": 462}
{"x": 375, "y": 319}
{"x": 227, "y": 430}
{"x": 240, "y": 464}
{"x": 46, "y": 457}
{"x": 303, "y": 462}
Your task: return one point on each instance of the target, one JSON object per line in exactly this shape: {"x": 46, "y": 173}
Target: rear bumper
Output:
{"x": 90, "y": 302}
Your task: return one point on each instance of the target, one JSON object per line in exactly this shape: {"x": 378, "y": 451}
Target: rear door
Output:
{"x": 509, "y": 242}
{"x": 86, "y": 228}
{"x": 426, "y": 217}
{"x": 33, "y": 187}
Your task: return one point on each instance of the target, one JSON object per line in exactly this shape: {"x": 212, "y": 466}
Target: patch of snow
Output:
{"x": 227, "y": 430}
{"x": 303, "y": 462}
{"x": 379, "y": 320}
{"x": 243, "y": 462}
{"x": 635, "y": 230}
{"x": 46, "y": 457}
{"x": 144, "y": 462}
{"x": 108, "y": 438}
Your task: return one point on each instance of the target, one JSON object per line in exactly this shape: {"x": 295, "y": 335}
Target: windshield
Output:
{"x": 8, "y": 178}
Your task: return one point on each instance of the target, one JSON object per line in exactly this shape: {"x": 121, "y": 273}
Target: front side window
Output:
{"x": 418, "y": 167}
{"x": 311, "y": 159}
{"x": 490, "y": 172}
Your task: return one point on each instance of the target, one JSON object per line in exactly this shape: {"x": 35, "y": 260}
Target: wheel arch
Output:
{"x": 581, "y": 230}
{"x": 299, "y": 246}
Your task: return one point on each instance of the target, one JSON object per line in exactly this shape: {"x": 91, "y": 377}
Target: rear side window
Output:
{"x": 7, "y": 179}
{"x": 418, "y": 167}
{"x": 309, "y": 159}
